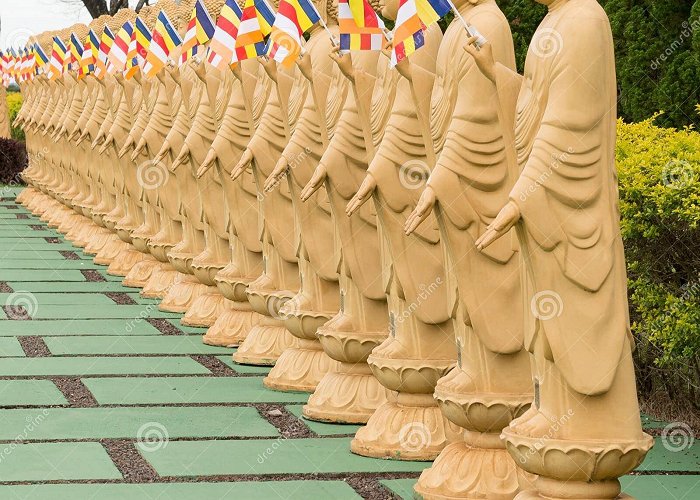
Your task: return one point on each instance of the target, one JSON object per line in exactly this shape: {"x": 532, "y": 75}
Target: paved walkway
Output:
{"x": 104, "y": 396}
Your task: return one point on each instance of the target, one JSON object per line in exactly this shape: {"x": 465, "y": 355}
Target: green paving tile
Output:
{"x": 649, "y": 422}
{"x": 267, "y": 456}
{"x": 100, "y": 366}
{"x": 673, "y": 457}
{"x": 63, "y": 298}
{"x": 288, "y": 490}
{"x": 56, "y": 461}
{"x": 125, "y": 422}
{"x": 68, "y": 287}
{"x": 77, "y": 327}
{"x": 228, "y": 360}
{"x": 49, "y": 265}
{"x": 322, "y": 428}
{"x": 50, "y": 255}
{"x": 639, "y": 487}
{"x": 189, "y": 330}
{"x": 75, "y": 311}
{"x": 22, "y": 232}
{"x": 36, "y": 246}
{"x": 164, "y": 390}
{"x": 10, "y": 346}
{"x": 26, "y": 275}
{"x": 163, "y": 344}
{"x": 30, "y": 393}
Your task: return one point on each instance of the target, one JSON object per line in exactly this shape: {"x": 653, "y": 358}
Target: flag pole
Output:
{"x": 325, "y": 27}
{"x": 471, "y": 30}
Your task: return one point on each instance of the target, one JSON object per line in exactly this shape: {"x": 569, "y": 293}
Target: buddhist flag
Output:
{"x": 120, "y": 47}
{"x": 102, "y": 60}
{"x": 224, "y": 39}
{"x": 199, "y": 31}
{"x": 408, "y": 32}
{"x": 58, "y": 56}
{"x": 163, "y": 40}
{"x": 28, "y": 65}
{"x": 365, "y": 34}
{"x": 256, "y": 24}
{"x": 143, "y": 40}
{"x": 294, "y": 17}
{"x": 40, "y": 56}
{"x": 430, "y": 11}
{"x": 87, "y": 60}
{"x": 132, "y": 59}
{"x": 76, "y": 49}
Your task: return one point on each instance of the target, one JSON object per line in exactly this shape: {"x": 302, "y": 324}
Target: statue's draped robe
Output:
{"x": 567, "y": 195}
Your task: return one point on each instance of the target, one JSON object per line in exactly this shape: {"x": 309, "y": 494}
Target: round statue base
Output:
{"x": 300, "y": 368}
{"x": 125, "y": 262}
{"x": 233, "y": 326}
{"x": 264, "y": 343}
{"x": 142, "y": 272}
{"x": 182, "y": 294}
{"x": 206, "y": 308}
{"x": 160, "y": 282}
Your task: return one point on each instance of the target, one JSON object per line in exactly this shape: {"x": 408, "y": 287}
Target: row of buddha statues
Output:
{"x": 432, "y": 251}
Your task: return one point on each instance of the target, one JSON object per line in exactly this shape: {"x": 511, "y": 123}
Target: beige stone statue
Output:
{"x": 249, "y": 94}
{"x": 351, "y": 394}
{"x": 468, "y": 184}
{"x": 303, "y": 366}
{"x": 583, "y": 430}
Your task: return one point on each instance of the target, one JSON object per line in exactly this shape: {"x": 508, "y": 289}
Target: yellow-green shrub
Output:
{"x": 659, "y": 173}
{"x": 14, "y": 103}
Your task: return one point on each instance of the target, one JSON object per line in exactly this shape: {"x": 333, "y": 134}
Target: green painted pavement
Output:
{"x": 228, "y": 360}
{"x": 52, "y": 255}
{"x": 27, "y": 275}
{"x": 50, "y": 265}
{"x": 267, "y": 456}
{"x": 77, "y": 327}
{"x": 639, "y": 487}
{"x": 69, "y": 287}
{"x": 167, "y": 390}
{"x": 163, "y": 344}
{"x": 55, "y": 461}
{"x": 34, "y": 367}
{"x": 63, "y": 298}
{"x": 189, "y": 330}
{"x": 133, "y": 423}
{"x": 15, "y": 231}
{"x": 96, "y": 312}
{"x": 34, "y": 246}
{"x": 289, "y": 490}
{"x": 322, "y": 428}
{"x": 30, "y": 393}
{"x": 676, "y": 456}
{"x": 10, "y": 346}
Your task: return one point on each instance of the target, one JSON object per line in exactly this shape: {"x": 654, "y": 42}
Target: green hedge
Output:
{"x": 14, "y": 103}
{"x": 659, "y": 174}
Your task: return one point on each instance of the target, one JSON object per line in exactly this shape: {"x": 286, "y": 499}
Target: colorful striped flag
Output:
{"x": 163, "y": 40}
{"x": 132, "y": 58}
{"x": 28, "y": 65}
{"x": 76, "y": 49}
{"x": 199, "y": 31}
{"x": 430, "y": 11}
{"x": 294, "y": 17}
{"x": 143, "y": 40}
{"x": 40, "y": 56}
{"x": 87, "y": 60}
{"x": 224, "y": 39}
{"x": 408, "y": 32}
{"x": 360, "y": 27}
{"x": 58, "y": 56}
{"x": 256, "y": 24}
{"x": 120, "y": 47}
{"x": 102, "y": 60}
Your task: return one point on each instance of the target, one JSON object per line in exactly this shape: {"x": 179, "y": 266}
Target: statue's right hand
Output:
{"x": 242, "y": 164}
{"x": 164, "y": 150}
{"x": 315, "y": 182}
{"x": 129, "y": 142}
{"x": 139, "y": 147}
{"x": 420, "y": 213}
{"x": 212, "y": 156}
{"x": 363, "y": 194}
{"x": 344, "y": 62}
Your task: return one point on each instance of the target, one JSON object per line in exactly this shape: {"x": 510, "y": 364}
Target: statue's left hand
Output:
{"x": 420, "y": 213}
{"x": 181, "y": 158}
{"x": 304, "y": 63}
{"x": 277, "y": 174}
{"x": 504, "y": 221}
{"x": 363, "y": 194}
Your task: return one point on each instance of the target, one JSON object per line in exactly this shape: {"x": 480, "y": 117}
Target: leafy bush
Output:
{"x": 14, "y": 103}
{"x": 13, "y": 159}
{"x": 659, "y": 173}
